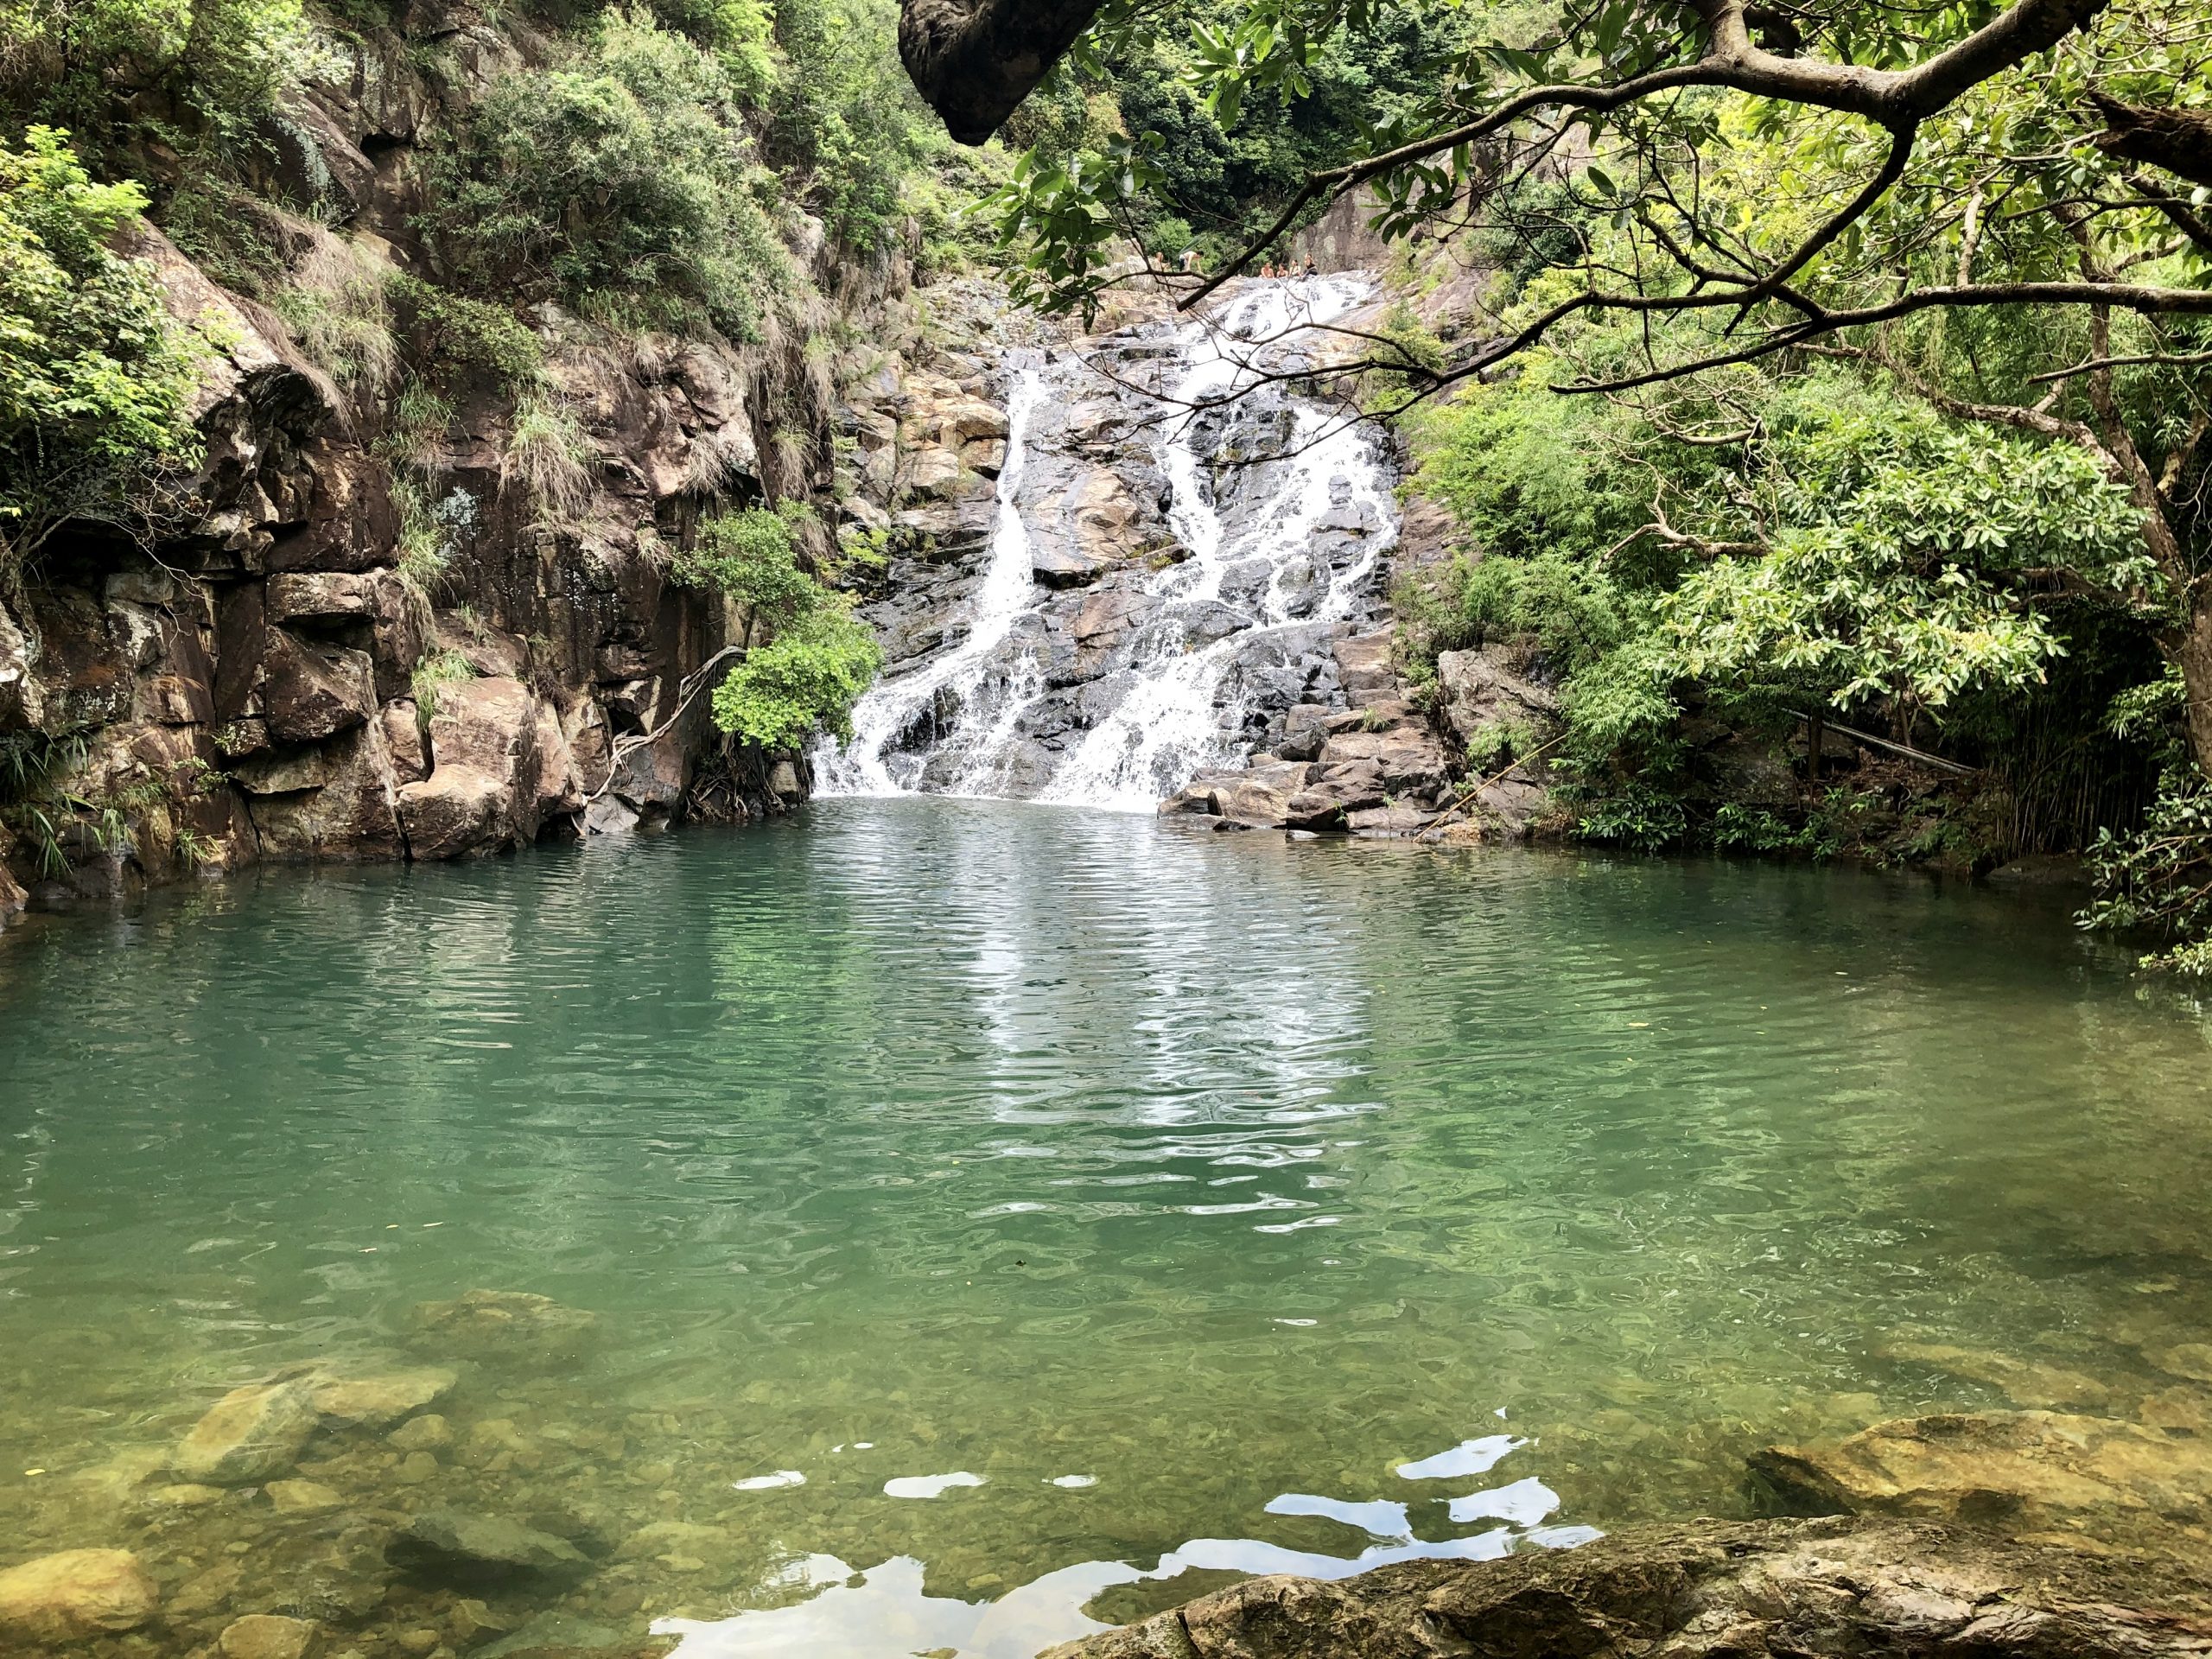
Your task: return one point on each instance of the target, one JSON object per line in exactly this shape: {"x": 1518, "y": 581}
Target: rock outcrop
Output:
{"x": 1709, "y": 1590}
{"x": 273, "y": 680}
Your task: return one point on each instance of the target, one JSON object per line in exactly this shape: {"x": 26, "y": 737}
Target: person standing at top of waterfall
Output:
{"x": 1191, "y": 263}
{"x": 1310, "y": 272}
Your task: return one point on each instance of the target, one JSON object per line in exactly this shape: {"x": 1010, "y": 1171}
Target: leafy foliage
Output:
{"x": 193, "y": 75}
{"x": 622, "y": 184}
{"x": 752, "y": 557}
{"x": 819, "y": 658}
{"x": 806, "y": 679}
{"x": 2158, "y": 879}
{"x": 93, "y": 374}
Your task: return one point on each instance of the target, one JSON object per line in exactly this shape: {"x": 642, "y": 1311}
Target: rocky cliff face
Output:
{"x": 267, "y": 676}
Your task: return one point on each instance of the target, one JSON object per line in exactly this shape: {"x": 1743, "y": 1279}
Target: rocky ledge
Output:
{"x": 1839, "y": 1587}
{"x": 1461, "y": 760}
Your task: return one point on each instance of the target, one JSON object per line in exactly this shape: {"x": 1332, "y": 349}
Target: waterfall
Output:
{"x": 1166, "y": 573}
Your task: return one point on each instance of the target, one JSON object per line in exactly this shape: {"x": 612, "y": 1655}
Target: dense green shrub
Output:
{"x": 622, "y": 184}
{"x": 194, "y": 75}
{"x": 93, "y": 374}
{"x": 805, "y": 680}
{"x": 2158, "y": 878}
{"x": 752, "y": 557}
{"x": 820, "y": 658}
{"x": 846, "y": 131}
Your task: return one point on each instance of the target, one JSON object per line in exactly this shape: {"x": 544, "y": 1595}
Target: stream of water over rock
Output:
{"x": 1178, "y": 540}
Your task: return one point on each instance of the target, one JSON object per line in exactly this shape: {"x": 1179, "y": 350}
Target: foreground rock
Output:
{"x": 77, "y": 1594}
{"x": 251, "y": 1434}
{"x": 2029, "y": 1471}
{"x": 379, "y": 1402}
{"x": 456, "y": 1547}
{"x": 1746, "y": 1591}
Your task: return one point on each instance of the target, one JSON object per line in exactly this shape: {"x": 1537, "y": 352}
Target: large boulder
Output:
{"x": 2026, "y": 1470}
{"x": 1333, "y": 794}
{"x": 1485, "y": 702}
{"x": 1258, "y": 796}
{"x": 452, "y": 1546}
{"x": 489, "y": 783}
{"x": 1833, "y": 1589}
{"x": 253, "y": 1433}
{"x": 1410, "y": 761}
{"x": 314, "y": 692}
{"x": 456, "y": 811}
{"x": 337, "y": 801}
{"x": 266, "y": 1635}
{"x": 73, "y": 1596}
{"x": 381, "y": 1399}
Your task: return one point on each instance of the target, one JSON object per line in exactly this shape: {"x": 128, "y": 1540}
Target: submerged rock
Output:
{"x": 266, "y": 1635}
{"x": 2025, "y": 1383}
{"x": 501, "y": 1318}
{"x": 253, "y": 1434}
{"x": 380, "y": 1400}
{"x": 74, "y": 1595}
{"x": 1709, "y": 1589}
{"x": 2027, "y": 1470}
{"x": 458, "y": 1547}
{"x": 302, "y": 1496}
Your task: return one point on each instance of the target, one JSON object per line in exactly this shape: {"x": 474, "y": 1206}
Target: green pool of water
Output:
{"x": 1181, "y": 1189}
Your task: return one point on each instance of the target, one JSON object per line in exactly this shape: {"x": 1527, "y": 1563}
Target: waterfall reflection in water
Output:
{"x": 1279, "y": 506}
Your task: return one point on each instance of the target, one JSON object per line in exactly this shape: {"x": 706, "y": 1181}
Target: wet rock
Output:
{"x": 182, "y": 1495}
{"x": 1305, "y": 730}
{"x": 1708, "y": 1590}
{"x": 454, "y": 812}
{"x": 564, "y": 1635}
{"x": 932, "y": 474}
{"x": 1408, "y": 759}
{"x": 1388, "y": 823}
{"x": 428, "y": 1433}
{"x": 315, "y": 692}
{"x": 1064, "y": 567}
{"x": 302, "y": 1496}
{"x": 1333, "y": 794}
{"x": 453, "y": 1546}
{"x": 77, "y": 1594}
{"x": 266, "y": 1635}
{"x": 383, "y": 1399}
{"x": 339, "y": 801}
{"x": 1363, "y": 664}
{"x": 2025, "y": 1382}
{"x": 2191, "y": 1360}
{"x": 502, "y": 1317}
{"x": 2026, "y": 1470}
{"x": 253, "y": 1433}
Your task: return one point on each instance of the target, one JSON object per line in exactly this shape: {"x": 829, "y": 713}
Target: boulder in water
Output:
{"x": 455, "y": 1547}
{"x": 251, "y": 1434}
{"x": 266, "y": 1635}
{"x": 501, "y": 1318}
{"x": 77, "y": 1594}
{"x": 381, "y": 1400}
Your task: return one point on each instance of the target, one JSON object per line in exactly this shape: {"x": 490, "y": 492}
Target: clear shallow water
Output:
{"x": 1030, "y": 1144}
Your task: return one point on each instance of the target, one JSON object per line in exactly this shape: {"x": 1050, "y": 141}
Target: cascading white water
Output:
{"x": 1001, "y": 712}
{"x": 1008, "y": 587}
